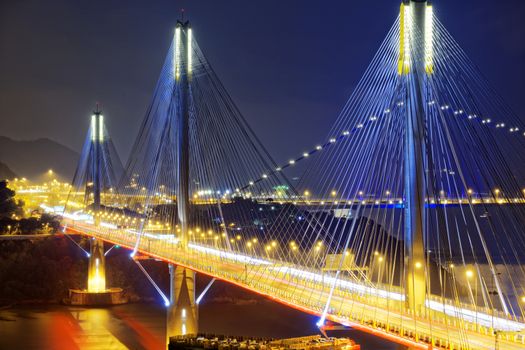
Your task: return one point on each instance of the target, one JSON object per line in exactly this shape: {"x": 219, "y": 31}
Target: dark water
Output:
{"x": 141, "y": 326}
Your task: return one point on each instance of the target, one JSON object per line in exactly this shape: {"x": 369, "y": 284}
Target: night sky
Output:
{"x": 289, "y": 65}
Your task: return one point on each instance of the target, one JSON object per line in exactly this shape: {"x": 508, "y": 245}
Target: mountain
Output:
{"x": 6, "y": 173}
{"x": 33, "y": 159}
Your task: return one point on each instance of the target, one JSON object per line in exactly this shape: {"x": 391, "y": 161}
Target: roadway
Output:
{"x": 366, "y": 308}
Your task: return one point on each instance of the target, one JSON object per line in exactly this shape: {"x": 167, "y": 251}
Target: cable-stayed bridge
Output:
{"x": 407, "y": 222}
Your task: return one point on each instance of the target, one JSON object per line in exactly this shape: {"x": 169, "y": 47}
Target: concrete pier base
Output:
{"x": 112, "y": 296}
{"x": 182, "y": 314}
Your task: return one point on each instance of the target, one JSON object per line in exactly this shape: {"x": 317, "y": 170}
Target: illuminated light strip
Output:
{"x": 405, "y": 29}
{"x": 481, "y": 318}
{"x": 199, "y": 299}
{"x": 231, "y": 256}
{"x": 408, "y": 27}
{"x": 429, "y": 37}
{"x": 305, "y": 155}
{"x": 487, "y": 121}
{"x": 176, "y": 54}
{"x": 93, "y": 128}
{"x": 166, "y": 300}
{"x": 189, "y": 50}
{"x": 107, "y": 251}
{"x": 31, "y": 190}
{"x": 108, "y": 225}
{"x": 101, "y": 128}
{"x": 340, "y": 283}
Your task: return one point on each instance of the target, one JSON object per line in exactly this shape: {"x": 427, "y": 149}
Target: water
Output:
{"x": 141, "y": 326}
{"x": 60, "y": 327}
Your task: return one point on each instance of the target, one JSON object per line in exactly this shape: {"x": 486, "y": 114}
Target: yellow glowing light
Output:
{"x": 429, "y": 37}
{"x": 189, "y": 49}
{"x": 469, "y": 273}
{"x": 96, "y": 282}
{"x": 406, "y": 36}
{"x": 405, "y": 28}
{"x": 176, "y": 54}
{"x": 101, "y": 128}
{"x": 93, "y": 128}
{"x": 418, "y": 265}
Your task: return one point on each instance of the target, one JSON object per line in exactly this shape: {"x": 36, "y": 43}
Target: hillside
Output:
{"x": 32, "y": 159}
{"x": 6, "y": 173}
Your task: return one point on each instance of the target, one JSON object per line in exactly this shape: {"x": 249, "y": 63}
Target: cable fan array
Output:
{"x": 343, "y": 254}
{"x": 110, "y": 170}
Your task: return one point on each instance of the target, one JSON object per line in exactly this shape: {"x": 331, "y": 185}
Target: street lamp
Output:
{"x": 469, "y": 275}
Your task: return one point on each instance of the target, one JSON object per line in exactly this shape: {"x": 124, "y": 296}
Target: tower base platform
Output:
{"x": 112, "y": 296}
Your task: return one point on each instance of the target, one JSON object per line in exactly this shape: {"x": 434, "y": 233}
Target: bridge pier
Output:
{"x": 97, "y": 267}
{"x": 182, "y": 313}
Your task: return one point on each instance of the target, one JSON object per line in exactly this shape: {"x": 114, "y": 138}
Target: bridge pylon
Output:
{"x": 415, "y": 63}
{"x": 97, "y": 262}
{"x": 182, "y": 313}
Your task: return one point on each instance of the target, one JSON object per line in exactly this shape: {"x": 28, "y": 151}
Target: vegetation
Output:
{"x": 44, "y": 270}
{"x": 12, "y": 222}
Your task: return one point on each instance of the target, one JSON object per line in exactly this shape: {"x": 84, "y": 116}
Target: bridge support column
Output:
{"x": 97, "y": 262}
{"x": 182, "y": 318}
{"x": 97, "y": 267}
{"x": 415, "y": 64}
{"x": 183, "y": 311}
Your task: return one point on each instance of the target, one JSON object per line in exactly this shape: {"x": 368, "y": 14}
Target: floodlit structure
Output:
{"x": 407, "y": 223}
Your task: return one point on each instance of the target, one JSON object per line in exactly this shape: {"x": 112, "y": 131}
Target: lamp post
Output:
{"x": 469, "y": 275}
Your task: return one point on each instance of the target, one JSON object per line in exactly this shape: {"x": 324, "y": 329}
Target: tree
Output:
{"x": 8, "y": 204}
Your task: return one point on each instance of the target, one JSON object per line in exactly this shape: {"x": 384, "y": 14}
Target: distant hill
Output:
{"x": 32, "y": 159}
{"x": 6, "y": 173}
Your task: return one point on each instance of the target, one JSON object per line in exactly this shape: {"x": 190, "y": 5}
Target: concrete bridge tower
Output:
{"x": 415, "y": 63}
{"x": 182, "y": 315}
{"x": 97, "y": 262}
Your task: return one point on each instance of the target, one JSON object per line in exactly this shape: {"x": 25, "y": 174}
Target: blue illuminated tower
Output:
{"x": 183, "y": 311}
{"x": 415, "y": 63}
{"x": 97, "y": 263}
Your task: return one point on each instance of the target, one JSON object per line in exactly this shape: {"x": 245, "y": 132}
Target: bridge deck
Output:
{"x": 375, "y": 311}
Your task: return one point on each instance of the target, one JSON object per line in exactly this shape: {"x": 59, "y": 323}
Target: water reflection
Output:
{"x": 60, "y": 327}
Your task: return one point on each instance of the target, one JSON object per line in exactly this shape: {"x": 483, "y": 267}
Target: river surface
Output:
{"x": 141, "y": 326}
